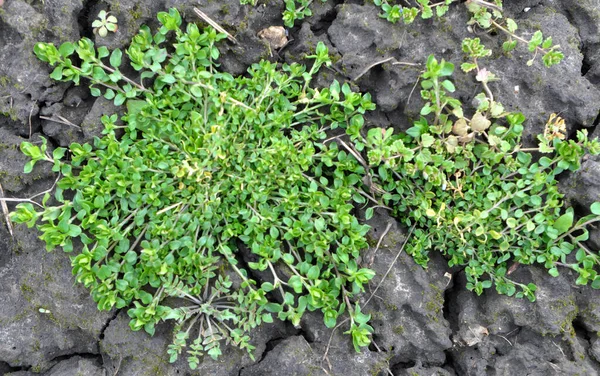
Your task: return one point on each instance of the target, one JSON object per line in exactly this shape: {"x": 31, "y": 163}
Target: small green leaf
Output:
{"x": 66, "y": 49}
{"x": 320, "y": 224}
{"x": 313, "y": 272}
{"x": 28, "y": 167}
{"x": 564, "y": 222}
{"x": 104, "y": 272}
{"x": 115, "y": 58}
{"x": 295, "y": 283}
{"x": 448, "y": 85}
{"x": 427, "y": 140}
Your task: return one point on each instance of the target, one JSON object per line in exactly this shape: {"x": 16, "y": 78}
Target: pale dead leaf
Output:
{"x": 460, "y": 127}
{"x": 3, "y": 203}
{"x": 479, "y": 123}
{"x": 276, "y": 36}
{"x": 475, "y": 334}
{"x": 448, "y": 276}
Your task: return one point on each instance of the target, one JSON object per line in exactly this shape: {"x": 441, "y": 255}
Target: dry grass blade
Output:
{"x": 212, "y": 23}
{"x": 6, "y": 212}
{"x": 61, "y": 120}
{"x": 30, "y": 127}
{"x": 372, "y": 258}
{"x": 368, "y": 68}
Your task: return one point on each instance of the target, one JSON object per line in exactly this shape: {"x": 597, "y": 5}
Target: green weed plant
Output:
{"x": 202, "y": 166}
{"x": 473, "y": 193}
{"x": 211, "y": 182}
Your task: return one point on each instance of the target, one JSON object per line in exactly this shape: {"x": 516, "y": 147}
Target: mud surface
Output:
{"x": 426, "y": 322}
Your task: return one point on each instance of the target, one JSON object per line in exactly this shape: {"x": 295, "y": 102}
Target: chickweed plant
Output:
{"x": 104, "y": 24}
{"x": 202, "y": 167}
{"x": 295, "y": 10}
{"x": 473, "y": 193}
{"x": 217, "y": 202}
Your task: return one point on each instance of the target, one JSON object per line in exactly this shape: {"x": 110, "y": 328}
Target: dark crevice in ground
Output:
{"x": 7, "y": 368}
{"x": 396, "y": 367}
{"x": 583, "y": 48}
{"x": 572, "y": 131}
{"x": 271, "y": 344}
{"x": 320, "y": 27}
{"x": 585, "y": 64}
{"x": 96, "y": 357}
{"x": 580, "y": 330}
{"x": 105, "y": 326}
{"x": 308, "y": 336}
{"x": 449, "y": 310}
{"x": 83, "y": 19}
{"x": 595, "y": 123}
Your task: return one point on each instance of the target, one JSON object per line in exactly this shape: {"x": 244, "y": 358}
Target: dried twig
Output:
{"x": 389, "y": 371}
{"x": 368, "y": 68}
{"x": 391, "y": 264}
{"x": 413, "y": 90}
{"x": 5, "y": 211}
{"x": 30, "y": 199}
{"x": 30, "y": 113}
{"x": 559, "y": 349}
{"x": 61, "y": 120}
{"x": 387, "y": 229}
{"x": 214, "y": 24}
{"x": 504, "y": 338}
{"x": 118, "y": 365}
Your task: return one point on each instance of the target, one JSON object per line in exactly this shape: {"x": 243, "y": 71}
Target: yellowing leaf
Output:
{"x": 479, "y": 123}
{"x": 460, "y": 128}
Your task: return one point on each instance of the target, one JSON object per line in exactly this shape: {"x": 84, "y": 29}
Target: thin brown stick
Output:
{"x": 387, "y": 229}
{"x": 330, "y": 339}
{"x": 214, "y": 24}
{"x": 406, "y": 63}
{"x": 413, "y": 90}
{"x": 118, "y": 365}
{"x": 389, "y": 371}
{"x": 391, "y": 264}
{"x": 6, "y": 213}
{"x": 61, "y": 120}
{"x": 369, "y": 67}
{"x": 30, "y": 127}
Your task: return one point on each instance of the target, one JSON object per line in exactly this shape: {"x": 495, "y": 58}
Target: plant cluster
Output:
{"x": 217, "y": 201}
{"x": 207, "y": 180}
{"x": 473, "y": 193}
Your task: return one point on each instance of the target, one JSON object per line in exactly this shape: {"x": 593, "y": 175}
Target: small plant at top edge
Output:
{"x": 104, "y": 24}
{"x": 487, "y": 15}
